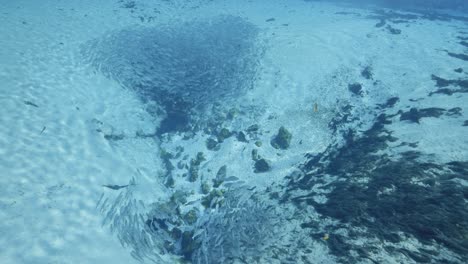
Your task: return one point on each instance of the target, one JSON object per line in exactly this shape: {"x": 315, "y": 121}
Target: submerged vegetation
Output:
{"x": 391, "y": 199}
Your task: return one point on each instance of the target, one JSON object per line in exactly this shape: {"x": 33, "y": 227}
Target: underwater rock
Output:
{"x": 176, "y": 233}
{"x": 458, "y": 70}
{"x": 261, "y": 165}
{"x": 282, "y": 140}
{"x": 170, "y": 181}
{"x": 199, "y": 158}
{"x": 253, "y": 129}
{"x": 179, "y": 197}
{"x": 191, "y": 216}
{"x": 241, "y": 137}
{"x": 129, "y": 4}
{"x": 181, "y": 164}
{"x": 232, "y": 113}
{"x": 195, "y": 166}
{"x": 205, "y": 187}
{"x": 223, "y": 134}
{"x": 355, "y": 88}
{"x": 212, "y": 144}
{"x": 367, "y": 73}
{"x": 193, "y": 173}
{"x": 255, "y": 155}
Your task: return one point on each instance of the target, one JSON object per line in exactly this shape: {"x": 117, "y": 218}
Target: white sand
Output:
{"x": 51, "y": 181}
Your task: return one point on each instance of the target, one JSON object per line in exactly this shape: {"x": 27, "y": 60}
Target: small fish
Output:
{"x": 192, "y": 202}
{"x": 231, "y": 178}
{"x": 31, "y": 103}
{"x": 198, "y": 232}
{"x": 315, "y": 108}
{"x": 233, "y": 184}
{"x": 115, "y": 187}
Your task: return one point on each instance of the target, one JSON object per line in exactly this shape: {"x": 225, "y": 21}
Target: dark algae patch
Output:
{"x": 388, "y": 197}
{"x": 429, "y": 212}
{"x": 449, "y": 87}
{"x": 460, "y": 56}
{"x": 415, "y": 115}
{"x": 129, "y": 4}
{"x": 381, "y": 23}
{"x": 393, "y": 31}
{"x": 390, "y": 102}
{"x": 404, "y": 17}
{"x": 347, "y": 13}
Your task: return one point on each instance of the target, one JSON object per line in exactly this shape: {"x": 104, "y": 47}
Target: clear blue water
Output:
{"x": 153, "y": 131}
